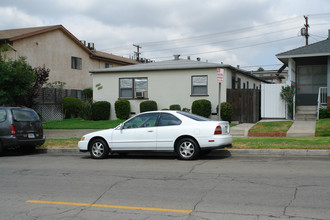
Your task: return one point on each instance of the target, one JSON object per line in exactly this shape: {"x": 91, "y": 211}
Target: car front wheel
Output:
{"x": 99, "y": 149}
{"x": 187, "y": 149}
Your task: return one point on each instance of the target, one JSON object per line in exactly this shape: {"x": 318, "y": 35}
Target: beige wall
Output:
{"x": 55, "y": 49}
{"x": 164, "y": 87}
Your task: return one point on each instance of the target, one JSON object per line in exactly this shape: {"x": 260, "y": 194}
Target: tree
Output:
{"x": 260, "y": 69}
{"x": 16, "y": 80}
{"x": 42, "y": 75}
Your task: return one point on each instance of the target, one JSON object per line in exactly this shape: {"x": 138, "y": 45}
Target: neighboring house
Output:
{"x": 309, "y": 70}
{"x": 68, "y": 58}
{"x": 176, "y": 81}
{"x": 272, "y": 76}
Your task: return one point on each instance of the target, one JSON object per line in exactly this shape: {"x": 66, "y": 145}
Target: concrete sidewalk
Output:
{"x": 302, "y": 129}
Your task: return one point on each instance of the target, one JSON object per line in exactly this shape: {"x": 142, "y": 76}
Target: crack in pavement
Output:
{"x": 102, "y": 194}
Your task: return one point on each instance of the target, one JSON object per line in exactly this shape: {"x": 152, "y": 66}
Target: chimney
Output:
{"x": 188, "y": 58}
{"x": 91, "y": 46}
{"x": 83, "y": 42}
{"x": 198, "y": 59}
{"x": 176, "y": 56}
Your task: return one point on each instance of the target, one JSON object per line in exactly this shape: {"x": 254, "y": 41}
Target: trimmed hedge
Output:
{"x": 148, "y": 106}
{"x": 122, "y": 109}
{"x": 88, "y": 94}
{"x": 175, "y": 107}
{"x": 101, "y": 110}
{"x": 71, "y": 107}
{"x": 325, "y": 112}
{"x": 226, "y": 111}
{"x": 201, "y": 107}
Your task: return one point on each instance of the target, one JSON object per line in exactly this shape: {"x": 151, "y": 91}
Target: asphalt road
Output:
{"x": 158, "y": 186}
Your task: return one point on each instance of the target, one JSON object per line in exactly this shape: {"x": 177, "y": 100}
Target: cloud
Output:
{"x": 12, "y": 18}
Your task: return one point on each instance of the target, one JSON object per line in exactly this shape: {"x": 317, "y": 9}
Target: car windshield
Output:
{"x": 194, "y": 117}
{"x": 25, "y": 115}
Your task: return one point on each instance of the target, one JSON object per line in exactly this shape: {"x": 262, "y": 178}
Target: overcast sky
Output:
{"x": 235, "y": 32}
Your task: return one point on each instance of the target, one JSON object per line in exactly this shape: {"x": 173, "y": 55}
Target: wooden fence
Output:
{"x": 246, "y": 104}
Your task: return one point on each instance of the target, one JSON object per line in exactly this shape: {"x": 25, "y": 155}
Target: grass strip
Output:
{"x": 275, "y": 126}
{"x": 323, "y": 127}
{"x": 310, "y": 143}
{"x": 78, "y": 123}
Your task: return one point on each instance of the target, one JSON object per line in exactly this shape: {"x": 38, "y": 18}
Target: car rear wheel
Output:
{"x": 99, "y": 149}
{"x": 187, "y": 149}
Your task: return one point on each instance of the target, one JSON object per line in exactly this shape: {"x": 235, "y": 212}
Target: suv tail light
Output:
{"x": 12, "y": 130}
{"x": 218, "y": 130}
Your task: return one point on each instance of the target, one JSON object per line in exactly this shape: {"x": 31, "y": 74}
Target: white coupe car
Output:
{"x": 185, "y": 134}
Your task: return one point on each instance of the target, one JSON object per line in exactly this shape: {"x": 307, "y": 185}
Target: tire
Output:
{"x": 99, "y": 149}
{"x": 187, "y": 149}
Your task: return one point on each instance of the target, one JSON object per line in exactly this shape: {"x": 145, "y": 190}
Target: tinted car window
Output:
{"x": 168, "y": 120}
{"x": 24, "y": 115}
{"x": 194, "y": 117}
{"x": 3, "y": 115}
{"x": 145, "y": 120}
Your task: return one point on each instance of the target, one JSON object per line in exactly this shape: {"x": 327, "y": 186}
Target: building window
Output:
{"x": 133, "y": 88}
{"x": 254, "y": 85}
{"x": 233, "y": 82}
{"x": 76, "y": 63}
{"x": 238, "y": 83}
{"x": 247, "y": 85}
{"x": 199, "y": 85}
{"x": 243, "y": 85}
{"x": 108, "y": 65}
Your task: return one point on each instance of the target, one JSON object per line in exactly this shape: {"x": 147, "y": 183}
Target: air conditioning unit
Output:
{"x": 139, "y": 95}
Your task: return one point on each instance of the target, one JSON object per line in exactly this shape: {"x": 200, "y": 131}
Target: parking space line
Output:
{"x": 110, "y": 206}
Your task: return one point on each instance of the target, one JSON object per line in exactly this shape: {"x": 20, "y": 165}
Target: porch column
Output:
{"x": 328, "y": 82}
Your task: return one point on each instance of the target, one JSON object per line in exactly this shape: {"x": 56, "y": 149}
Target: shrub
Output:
{"x": 148, "y": 106}
{"x": 101, "y": 110}
{"x": 186, "y": 110}
{"x": 71, "y": 106}
{"x": 122, "y": 109}
{"x": 201, "y": 107}
{"x": 325, "y": 112}
{"x": 226, "y": 111}
{"x": 88, "y": 94}
{"x": 175, "y": 107}
{"x": 86, "y": 111}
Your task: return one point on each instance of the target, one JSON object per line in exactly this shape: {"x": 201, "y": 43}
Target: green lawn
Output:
{"x": 323, "y": 127}
{"x": 282, "y": 143}
{"x": 274, "y": 126}
{"x": 78, "y": 123}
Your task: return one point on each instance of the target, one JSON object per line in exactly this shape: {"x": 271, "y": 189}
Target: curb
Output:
{"x": 245, "y": 152}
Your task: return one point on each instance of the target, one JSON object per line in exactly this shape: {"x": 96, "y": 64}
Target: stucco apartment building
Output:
{"x": 68, "y": 58}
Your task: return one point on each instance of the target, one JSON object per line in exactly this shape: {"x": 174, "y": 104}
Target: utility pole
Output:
{"x": 137, "y": 51}
{"x": 306, "y": 27}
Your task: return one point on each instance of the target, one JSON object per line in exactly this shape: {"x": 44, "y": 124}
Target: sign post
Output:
{"x": 220, "y": 76}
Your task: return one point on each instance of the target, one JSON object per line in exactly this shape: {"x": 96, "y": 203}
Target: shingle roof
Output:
{"x": 321, "y": 48}
{"x": 16, "y": 34}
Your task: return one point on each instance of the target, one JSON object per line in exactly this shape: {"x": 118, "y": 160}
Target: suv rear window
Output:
{"x": 25, "y": 115}
{"x": 3, "y": 115}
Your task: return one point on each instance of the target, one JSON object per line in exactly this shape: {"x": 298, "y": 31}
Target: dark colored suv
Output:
{"x": 20, "y": 127}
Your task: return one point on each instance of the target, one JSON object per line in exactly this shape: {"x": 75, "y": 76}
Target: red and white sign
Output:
{"x": 220, "y": 75}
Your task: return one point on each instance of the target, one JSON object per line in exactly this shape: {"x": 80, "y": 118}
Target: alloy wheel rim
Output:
{"x": 98, "y": 149}
{"x": 187, "y": 149}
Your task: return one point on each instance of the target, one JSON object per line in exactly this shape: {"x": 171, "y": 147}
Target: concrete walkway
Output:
{"x": 241, "y": 130}
{"x": 302, "y": 129}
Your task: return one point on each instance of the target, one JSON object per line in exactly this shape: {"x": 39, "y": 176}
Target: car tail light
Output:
{"x": 12, "y": 130}
{"x": 218, "y": 130}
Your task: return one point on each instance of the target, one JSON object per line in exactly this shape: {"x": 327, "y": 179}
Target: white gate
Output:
{"x": 272, "y": 106}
